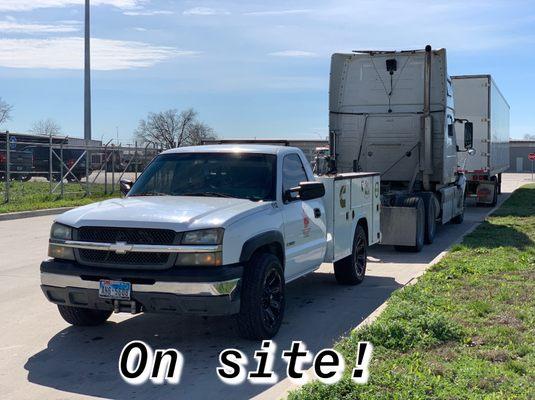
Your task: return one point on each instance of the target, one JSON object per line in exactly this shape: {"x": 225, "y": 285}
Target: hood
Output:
{"x": 178, "y": 213}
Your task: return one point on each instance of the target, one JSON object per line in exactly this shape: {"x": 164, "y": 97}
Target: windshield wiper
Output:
{"x": 209, "y": 194}
{"x": 150, "y": 194}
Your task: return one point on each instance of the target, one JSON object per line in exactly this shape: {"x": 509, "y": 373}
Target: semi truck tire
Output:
{"x": 352, "y": 269}
{"x": 78, "y": 316}
{"x": 262, "y": 298}
{"x": 430, "y": 218}
{"x": 418, "y": 203}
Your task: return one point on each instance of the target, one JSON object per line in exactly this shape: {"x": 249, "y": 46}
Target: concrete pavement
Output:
{"x": 43, "y": 357}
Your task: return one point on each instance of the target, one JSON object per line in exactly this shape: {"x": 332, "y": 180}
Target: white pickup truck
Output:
{"x": 211, "y": 230}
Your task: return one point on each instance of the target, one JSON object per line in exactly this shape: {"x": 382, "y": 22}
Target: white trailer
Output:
{"x": 478, "y": 99}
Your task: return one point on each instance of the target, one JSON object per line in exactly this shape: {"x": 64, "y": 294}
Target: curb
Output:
{"x": 281, "y": 389}
{"x": 33, "y": 213}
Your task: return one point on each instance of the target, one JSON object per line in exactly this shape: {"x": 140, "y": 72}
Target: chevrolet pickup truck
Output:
{"x": 211, "y": 230}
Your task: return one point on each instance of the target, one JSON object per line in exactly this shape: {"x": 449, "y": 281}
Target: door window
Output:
{"x": 293, "y": 172}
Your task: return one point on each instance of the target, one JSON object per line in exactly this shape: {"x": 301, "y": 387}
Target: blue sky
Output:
{"x": 250, "y": 68}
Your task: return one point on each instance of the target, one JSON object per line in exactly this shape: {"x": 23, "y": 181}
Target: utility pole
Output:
{"x": 87, "y": 77}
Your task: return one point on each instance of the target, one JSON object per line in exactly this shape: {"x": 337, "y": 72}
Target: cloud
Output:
{"x": 11, "y": 26}
{"x": 67, "y": 53}
{"x": 293, "y": 53}
{"x": 148, "y": 13}
{"x": 278, "y": 12}
{"x": 28, "y": 5}
{"x": 204, "y": 11}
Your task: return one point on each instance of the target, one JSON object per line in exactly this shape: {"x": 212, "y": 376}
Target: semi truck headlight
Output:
{"x": 61, "y": 252}
{"x": 60, "y": 231}
{"x": 204, "y": 236}
{"x": 201, "y": 259}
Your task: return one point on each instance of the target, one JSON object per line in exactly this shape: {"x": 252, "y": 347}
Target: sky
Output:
{"x": 249, "y": 68}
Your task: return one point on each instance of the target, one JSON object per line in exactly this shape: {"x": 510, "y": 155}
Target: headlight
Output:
{"x": 201, "y": 259}
{"x": 60, "y": 231}
{"x": 204, "y": 237}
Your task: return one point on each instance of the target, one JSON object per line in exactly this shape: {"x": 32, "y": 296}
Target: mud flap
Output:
{"x": 398, "y": 225}
{"x": 485, "y": 192}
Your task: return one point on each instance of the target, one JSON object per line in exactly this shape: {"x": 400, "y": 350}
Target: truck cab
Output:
{"x": 211, "y": 230}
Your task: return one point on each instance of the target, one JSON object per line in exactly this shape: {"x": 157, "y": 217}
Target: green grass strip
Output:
{"x": 465, "y": 330}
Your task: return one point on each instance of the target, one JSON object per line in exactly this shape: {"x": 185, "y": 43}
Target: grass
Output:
{"x": 465, "y": 330}
{"x": 25, "y": 196}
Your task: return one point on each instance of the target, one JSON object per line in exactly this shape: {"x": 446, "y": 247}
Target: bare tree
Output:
{"x": 5, "y": 111}
{"x": 199, "y": 132}
{"x": 529, "y": 136}
{"x": 46, "y": 127}
{"x": 172, "y": 128}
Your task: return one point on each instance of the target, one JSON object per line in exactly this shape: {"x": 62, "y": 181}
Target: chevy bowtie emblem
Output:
{"x": 121, "y": 247}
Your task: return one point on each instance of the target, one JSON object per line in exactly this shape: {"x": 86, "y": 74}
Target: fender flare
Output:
{"x": 261, "y": 240}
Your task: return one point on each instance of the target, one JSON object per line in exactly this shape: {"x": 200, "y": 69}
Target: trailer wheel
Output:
{"x": 430, "y": 221}
{"x": 415, "y": 202}
{"x": 262, "y": 298}
{"x": 78, "y": 316}
{"x": 352, "y": 269}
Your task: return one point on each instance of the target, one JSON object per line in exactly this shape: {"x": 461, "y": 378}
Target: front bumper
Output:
{"x": 213, "y": 291}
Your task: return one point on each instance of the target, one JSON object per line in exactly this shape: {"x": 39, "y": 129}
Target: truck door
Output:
{"x": 304, "y": 223}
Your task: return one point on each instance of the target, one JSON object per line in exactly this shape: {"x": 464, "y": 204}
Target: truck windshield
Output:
{"x": 245, "y": 176}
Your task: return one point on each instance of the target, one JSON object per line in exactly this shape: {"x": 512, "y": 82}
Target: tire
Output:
{"x": 78, "y": 316}
{"x": 352, "y": 269}
{"x": 430, "y": 221}
{"x": 262, "y": 298}
{"x": 415, "y": 202}
{"x": 495, "y": 197}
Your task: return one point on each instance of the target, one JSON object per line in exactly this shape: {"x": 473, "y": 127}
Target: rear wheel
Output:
{"x": 415, "y": 202}
{"x": 83, "y": 316}
{"x": 262, "y": 298}
{"x": 352, "y": 269}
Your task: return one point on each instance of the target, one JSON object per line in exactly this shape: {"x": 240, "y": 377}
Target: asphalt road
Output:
{"x": 45, "y": 358}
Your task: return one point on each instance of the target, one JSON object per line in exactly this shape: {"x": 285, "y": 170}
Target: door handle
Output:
{"x": 317, "y": 213}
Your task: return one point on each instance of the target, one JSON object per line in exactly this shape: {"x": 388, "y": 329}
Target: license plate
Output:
{"x": 114, "y": 289}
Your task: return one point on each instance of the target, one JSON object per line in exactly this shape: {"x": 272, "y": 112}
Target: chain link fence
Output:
{"x": 52, "y": 168}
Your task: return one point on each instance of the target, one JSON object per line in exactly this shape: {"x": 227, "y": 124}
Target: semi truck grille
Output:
{"x": 102, "y": 258}
{"x": 128, "y": 235}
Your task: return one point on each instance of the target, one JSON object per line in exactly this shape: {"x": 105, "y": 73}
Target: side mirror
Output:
{"x": 125, "y": 185}
{"x": 468, "y": 135}
{"x": 305, "y": 191}
{"x": 311, "y": 190}
{"x": 471, "y": 152}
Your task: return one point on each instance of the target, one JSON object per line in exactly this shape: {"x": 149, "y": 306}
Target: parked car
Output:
{"x": 20, "y": 164}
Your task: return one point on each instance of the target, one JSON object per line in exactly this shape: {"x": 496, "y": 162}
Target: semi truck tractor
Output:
{"x": 478, "y": 99}
{"x": 211, "y": 230}
{"x": 392, "y": 112}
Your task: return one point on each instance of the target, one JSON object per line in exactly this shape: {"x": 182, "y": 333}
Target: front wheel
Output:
{"x": 262, "y": 298}
{"x": 83, "y": 316}
{"x": 351, "y": 269}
